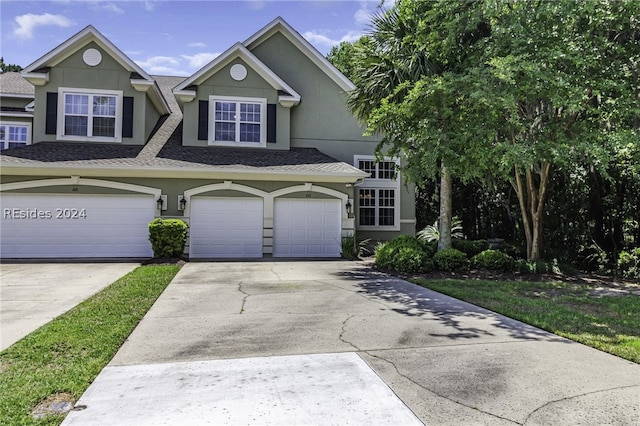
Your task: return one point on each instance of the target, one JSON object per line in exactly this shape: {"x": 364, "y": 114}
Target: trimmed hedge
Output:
{"x": 450, "y": 259}
{"x": 168, "y": 237}
{"x": 493, "y": 260}
{"x": 403, "y": 254}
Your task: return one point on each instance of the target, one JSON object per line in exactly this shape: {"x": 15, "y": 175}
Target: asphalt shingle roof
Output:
{"x": 13, "y": 83}
{"x": 164, "y": 150}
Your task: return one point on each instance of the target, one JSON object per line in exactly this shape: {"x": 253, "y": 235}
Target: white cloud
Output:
{"x": 110, "y": 7}
{"x": 322, "y": 41}
{"x": 156, "y": 63}
{"x": 199, "y": 60}
{"x": 368, "y": 8}
{"x": 29, "y": 22}
{"x": 149, "y": 6}
{"x": 197, "y": 44}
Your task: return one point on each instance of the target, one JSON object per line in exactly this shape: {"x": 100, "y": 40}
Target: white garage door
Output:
{"x": 226, "y": 227}
{"x": 68, "y": 226}
{"x": 306, "y": 228}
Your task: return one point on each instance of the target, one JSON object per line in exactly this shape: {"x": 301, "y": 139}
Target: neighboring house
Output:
{"x": 256, "y": 151}
{"x": 16, "y": 110}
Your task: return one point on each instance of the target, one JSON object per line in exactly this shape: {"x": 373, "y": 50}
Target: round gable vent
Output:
{"x": 92, "y": 57}
{"x": 238, "y": 72}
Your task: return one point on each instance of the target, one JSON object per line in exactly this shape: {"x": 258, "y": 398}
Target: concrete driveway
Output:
{"x": 338, "y": 343}
{"x": 32, "y": 294}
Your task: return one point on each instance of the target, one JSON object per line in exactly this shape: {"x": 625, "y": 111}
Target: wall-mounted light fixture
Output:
{"x": 349, "y": 208}
{"x": 161, "y": 202}
{"x": 182, "y": 202}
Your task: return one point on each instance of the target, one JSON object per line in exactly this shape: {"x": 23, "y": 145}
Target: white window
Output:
{"x": 238, "y": 121}
{"x": 13, "y": 135}
{"x": 94, "y": 115}
{"x": 378, "y": 197}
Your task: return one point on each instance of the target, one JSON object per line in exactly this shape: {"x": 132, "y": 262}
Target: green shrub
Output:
{"x": 168, "y": 237}
{"x": 470, "y": 247}
{"x": 450, "y": 259}
{"x": 544, "y": 267}
{"x": 493, "y": 260}
{"x": 629, "y": 263}
{"x": 403, "y": 254}
{"x": 352, "y": 248}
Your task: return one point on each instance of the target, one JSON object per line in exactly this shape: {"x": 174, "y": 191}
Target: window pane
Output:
{"x": 367, "y": 216}
{"x": 386, "y": 170}
{"x": 2, "y": 133}
{"x": 368, "y": 166}
{"x": 225, "y": 111}
{"x": 367, "y": 197}
{"x": 250, "y": 113}
{"x": 76, "y": 126}
{"x": 104, "y": 126}
{"x": 76, "y": 104}
{"x": 18, "y": 134}
{"x": 249, "y": 132}
{"x": 225, "y": 131}
{"x": 104, "y": 106}
{"x": 385, "y": 217}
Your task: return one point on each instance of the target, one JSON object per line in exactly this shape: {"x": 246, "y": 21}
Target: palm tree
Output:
{"x": 386, "y": 66}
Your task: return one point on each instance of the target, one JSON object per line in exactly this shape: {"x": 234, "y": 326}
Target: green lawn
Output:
{"x": 608, "y": 323}
{"x": 65, "y": 355}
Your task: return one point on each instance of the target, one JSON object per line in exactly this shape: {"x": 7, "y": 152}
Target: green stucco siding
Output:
{"x": 221, "y": 84}
{"x": 72, "y": 72}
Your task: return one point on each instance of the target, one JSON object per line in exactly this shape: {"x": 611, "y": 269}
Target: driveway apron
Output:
{"x": 32, "y": 294}
{"x": 336, "y": 342}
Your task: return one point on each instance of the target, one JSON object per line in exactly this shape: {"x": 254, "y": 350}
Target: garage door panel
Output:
{"x": 109, "y": 225}
{"x": 226, "y": 227}
{"x": 307, "y": 228}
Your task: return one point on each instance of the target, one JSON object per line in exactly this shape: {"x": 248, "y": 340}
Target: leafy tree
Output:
{"x": 405, "y": 91}
{"x": 341, "y": 56}
{"x": 8, "y": 67}
{"x": 505, "y": 89}
{"x": 567, "y": 80}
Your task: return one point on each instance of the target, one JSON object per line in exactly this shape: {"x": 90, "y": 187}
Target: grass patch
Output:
{"x": 608, "y": 323}
{"x": 65, "y": 355}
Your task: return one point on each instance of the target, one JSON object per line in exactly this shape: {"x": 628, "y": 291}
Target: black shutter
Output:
{"x": 203, "y": 121}
{"x": 127, "y": 117}
{"x": 271, "y": 123}
{"x": 51, "y": 118}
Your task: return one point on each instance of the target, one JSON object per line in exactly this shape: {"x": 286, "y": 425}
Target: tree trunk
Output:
{"x": 531, "y": 198}
{"x": 446, "y": 196}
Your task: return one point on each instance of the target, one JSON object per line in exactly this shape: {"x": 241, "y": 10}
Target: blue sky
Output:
{"x": 172, "y": 37}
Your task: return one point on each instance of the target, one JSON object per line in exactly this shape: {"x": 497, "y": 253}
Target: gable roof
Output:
{"x": 38, "y": 70}
{"x": 224, "y": 59}
{"x": 281, "y": 26}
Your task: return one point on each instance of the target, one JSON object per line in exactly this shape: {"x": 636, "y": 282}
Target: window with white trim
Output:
{"x": 238, "y": 121}
{"x": 378, "y": 198}
{"x": 13, "y": 135}
{"x": 94, "y": 115}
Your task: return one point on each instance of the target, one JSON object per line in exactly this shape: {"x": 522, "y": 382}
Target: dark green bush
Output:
{"x": 470, "y": 247}
{"x": 493, "y": 260}
{"x": 403, "y": 254}
{"x": 168, "y": 237}
{"x": 450, "y": 259}
{"x": 629, "y": 263}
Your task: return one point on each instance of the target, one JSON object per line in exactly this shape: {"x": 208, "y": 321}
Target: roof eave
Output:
{"x": 181, "y": 173}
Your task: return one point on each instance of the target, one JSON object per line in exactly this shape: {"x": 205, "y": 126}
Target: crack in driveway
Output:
{"x": 343, "y": 330}
{"x": 568, "y": 398}
{"x": 244, "y": 299}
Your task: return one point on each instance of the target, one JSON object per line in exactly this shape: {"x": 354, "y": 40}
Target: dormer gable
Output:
{"x": 38, "y": 72}
{"x": 279, "y": 25}
{"x": 186, "y": 91}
